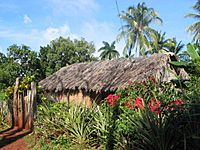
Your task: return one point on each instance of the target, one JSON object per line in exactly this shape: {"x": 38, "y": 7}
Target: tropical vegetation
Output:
{"x": 146, "y": 115}
{"x": 194, "y": 29}
{"x": 137, "y": 31}
{"x": 161, "y": 44}
{"x": 108, "y": 51}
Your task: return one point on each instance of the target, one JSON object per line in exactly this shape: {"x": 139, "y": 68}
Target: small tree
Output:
{"x": 61, "y": 52}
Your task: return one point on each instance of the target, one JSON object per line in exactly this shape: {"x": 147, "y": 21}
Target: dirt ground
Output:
{"x": 12, "y": 139}
{"x": 17, "y": 145}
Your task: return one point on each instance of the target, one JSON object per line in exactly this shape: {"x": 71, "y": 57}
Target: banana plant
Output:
{"x": 195, "y": 60}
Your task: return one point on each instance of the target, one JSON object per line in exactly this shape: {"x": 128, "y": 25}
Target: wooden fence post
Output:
{"x": 33, "y": 102}
{"x": 29, "y": 107}
{"x": 20, "y": 110}
{"x": 15, "y": 103}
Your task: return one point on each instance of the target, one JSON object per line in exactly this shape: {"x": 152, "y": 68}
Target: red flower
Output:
{"x": 128, "y": 105}
{"x": 130, "y": 82}
{"x": 176, "y": 102}
{"x": 179, "y": 102}
{"x": 154, "y": 105}
{"x": 139, "y": 103}
{"x": 111, "y": 99}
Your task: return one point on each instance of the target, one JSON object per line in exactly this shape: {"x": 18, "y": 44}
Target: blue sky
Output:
{"x": 35, "y": 23}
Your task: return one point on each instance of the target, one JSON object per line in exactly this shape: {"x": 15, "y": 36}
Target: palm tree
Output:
{"x": 159, "y": 42}
{"x": 174, "y": 46}
{"x": 161, "y": 45}
{"x": 108, "y": 51}
{"x": 137, "y": 32}
{"x": 195, "y": 28}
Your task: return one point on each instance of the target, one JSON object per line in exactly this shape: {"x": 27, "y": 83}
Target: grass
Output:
{"x": 33, "y": 143}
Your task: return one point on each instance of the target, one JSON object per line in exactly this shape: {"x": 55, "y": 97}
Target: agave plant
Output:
{"x": 79, "y": 124}
{"x": 75, "y": 123}
{"x": 102, "y": 124}
{"x": 192, "y": 132}
{"x": 154, "y": 133}
{"x": 49, "y": 123}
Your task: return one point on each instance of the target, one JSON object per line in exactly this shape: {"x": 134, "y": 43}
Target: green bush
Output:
{"x": 174, "y": 129}
{"x": 4, "y": 111}
{"x": 141, "y": 116}
{"x": 129, "y": 103}
{"x": 74, "y": 122}
{"x": 50, "y": 120}
{"x": 153, "y": 116}
{"x": 192, "y": 90}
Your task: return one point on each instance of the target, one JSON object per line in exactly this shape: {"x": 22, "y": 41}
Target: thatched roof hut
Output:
{"x": 109, "y": 75}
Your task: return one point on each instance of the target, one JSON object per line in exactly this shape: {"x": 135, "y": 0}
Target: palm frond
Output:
{"x": 195, "y": 28}
{"x": 135, "y": 31}
{"x": 197, "y": 16}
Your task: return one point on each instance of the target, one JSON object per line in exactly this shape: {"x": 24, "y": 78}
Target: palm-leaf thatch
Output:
{"x": 109, "y": 75}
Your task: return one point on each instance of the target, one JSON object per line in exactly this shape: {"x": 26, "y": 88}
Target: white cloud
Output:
{"x": 43, "y": 37}
{"x": 92, "y": 31}
{"x": 27, "y": 19}
{"x": 101, "y": 31}
{"x": 36, "y": 38}
{"x": 53, "y": 32}
{"x": 73, "y": 7}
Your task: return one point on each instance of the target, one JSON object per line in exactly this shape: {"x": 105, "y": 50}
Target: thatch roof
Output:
{"x": 108, "y": 75}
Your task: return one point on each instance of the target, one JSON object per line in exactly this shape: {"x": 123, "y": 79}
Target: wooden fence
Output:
{"x": 23, "y": 104}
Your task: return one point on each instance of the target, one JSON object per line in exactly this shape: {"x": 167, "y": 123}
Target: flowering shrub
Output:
{"x": 177, "y": 102}
{"x": 155, "y": 105}
{"x": 129, "y": 103}
{"x": 112, "y": 99}
{"x": 139, "y": 103}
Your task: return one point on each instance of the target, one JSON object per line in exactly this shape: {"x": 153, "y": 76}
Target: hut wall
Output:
{"x": 75, "y": 97}
{"x": 78, "y": 97}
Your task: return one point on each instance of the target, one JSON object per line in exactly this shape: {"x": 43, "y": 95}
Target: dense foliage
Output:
{"x": 147, "y": 115}
{"x": 21, "y": 61}
{"x": 141, "y": 116}
{"x": 62, "y": 52}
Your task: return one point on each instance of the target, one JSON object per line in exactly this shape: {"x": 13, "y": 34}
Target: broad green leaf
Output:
{"x": 179, "y": 63}
{"x": 192, "y": 52}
